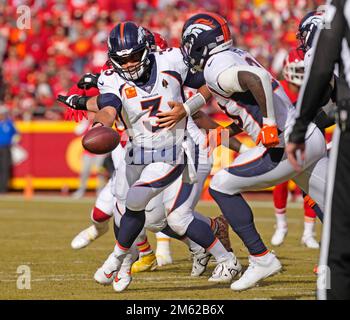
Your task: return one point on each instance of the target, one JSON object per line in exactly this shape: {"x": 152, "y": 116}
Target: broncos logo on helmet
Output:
{"x": 128, "y": 50}
{"x": 203, "y": 35}
{"x": 308, "y": 26}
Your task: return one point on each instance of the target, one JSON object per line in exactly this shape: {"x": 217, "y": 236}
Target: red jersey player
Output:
{"x": 293, "y": 73}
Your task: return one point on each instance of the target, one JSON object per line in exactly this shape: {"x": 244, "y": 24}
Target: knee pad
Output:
{"x": 155, "y": 219}
{"x": 179, "y": 220}
{"x": 138, "y": 198}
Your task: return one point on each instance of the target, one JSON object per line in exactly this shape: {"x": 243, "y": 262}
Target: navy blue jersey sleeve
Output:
{"x": 194, "y": 80}
{"x": 109, "y": 99}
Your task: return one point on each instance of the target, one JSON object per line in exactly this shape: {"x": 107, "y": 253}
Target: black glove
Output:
{"x": 88, "y": 81}
{"x": 74, "y": 101}
{"x": 299, "y": 131}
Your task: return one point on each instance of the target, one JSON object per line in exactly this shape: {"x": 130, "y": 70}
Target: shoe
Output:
{"x": 106, "y": 274}
{"x": 200, "y": 261}
{"x": 163, "y": 259}
{"x": 222, "y": 232}
{"x": 259, "y": 269}
{"x": 310, "y": 242}
{"x": 226, "y": 270}
{"x": 121, "y": 282}
{"x": 145, "y": 263}
{"x": 85, "y": 237}
{"x": 278, "y": 237}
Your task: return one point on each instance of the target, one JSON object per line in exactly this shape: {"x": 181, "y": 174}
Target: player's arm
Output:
{"x": 78, "y": 102}
{"x": 215, "y": 134}
{"x": 109, "y": 105}
{"x": 257, "y": 81}
{"x": 181, "y": 110}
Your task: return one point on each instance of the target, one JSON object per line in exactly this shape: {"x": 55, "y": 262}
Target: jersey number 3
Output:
{"x": 153, "y": 105}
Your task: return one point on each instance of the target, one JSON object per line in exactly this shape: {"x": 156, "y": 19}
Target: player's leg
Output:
{"x": 100, "y": 215}
{"x": 247, "y": 173}
{"x": 163, "y": 252}
{"x": 308, "y": 238}
{"x": 87, "y": 161}
{"x": 153, "y": 179}
{"x": 99, "y": 159}
{"x": 180, "y": 218}
{"x": 280, "y": 196}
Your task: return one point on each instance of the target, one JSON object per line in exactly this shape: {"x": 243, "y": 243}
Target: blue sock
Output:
{"x": 131, "y": 225}
{"x": 199, "y": 232}
{"x": 239, "y": 215}
{"x": 116, "y": 230}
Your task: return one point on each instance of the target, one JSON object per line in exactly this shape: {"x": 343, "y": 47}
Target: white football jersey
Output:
{"x": 141, "y": 104}
{"x": 241, "y": 106}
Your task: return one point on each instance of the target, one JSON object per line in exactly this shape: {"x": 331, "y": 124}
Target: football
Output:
{"x": 101, "y": 140}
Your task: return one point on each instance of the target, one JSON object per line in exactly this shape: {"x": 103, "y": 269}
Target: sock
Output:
{"x": 116, "y": 230}
{"x": 239, "y": 215}
{"x": 309, "y": 226}
{"x": 131, "y": 224}
{"x": 218, "y": 251}
{"x": 281, "y": 219}
{"x": 163, "y": 243}
{"x": 201, "y": 234}
{"x": 144, "y": 248}
{"x": 99, "y": 216}
{"x": 263, "y": 257}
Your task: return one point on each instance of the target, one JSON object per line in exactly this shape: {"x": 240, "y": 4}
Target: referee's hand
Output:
{"x": 291, "y": 150}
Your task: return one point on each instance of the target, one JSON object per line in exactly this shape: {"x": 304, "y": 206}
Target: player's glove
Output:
{"x": 76, "y": 107}
{"x": 268, "y": 135}
{"x": 88, "y": 81}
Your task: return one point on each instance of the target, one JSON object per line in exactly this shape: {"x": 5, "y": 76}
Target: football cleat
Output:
{"x": 227, "y": 270}
{"x": 222, "y": 232}
{"x": 85, "y": 237}
{"x": 278, "y": 237}
{"x": 200, "y": 262}
{"x": 121, "y": 282}
{"x": 310, "y": 242}
{"x": 106, "y": 274}
{"x": 259, "y": 269}
{"x": 145, "y": 263}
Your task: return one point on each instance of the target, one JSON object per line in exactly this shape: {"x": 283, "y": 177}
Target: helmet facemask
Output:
{"x": 135, "y": 72}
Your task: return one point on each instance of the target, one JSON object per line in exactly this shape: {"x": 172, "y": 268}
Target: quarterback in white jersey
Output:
{"x": 139, "y": 86}
{"x": 248, "y": 93}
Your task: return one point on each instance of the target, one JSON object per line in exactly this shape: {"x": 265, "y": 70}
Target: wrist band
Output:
{"x": 193, "y": 104}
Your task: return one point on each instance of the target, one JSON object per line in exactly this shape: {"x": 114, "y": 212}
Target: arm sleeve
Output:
{"x": 109, "y": 99}
{"x": 321, "y": 69}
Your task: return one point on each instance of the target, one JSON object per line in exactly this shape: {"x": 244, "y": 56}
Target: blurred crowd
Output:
{"x": 64, "y": 39}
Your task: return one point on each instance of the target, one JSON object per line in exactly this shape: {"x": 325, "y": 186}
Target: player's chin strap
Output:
{"x": 97, "y": 122}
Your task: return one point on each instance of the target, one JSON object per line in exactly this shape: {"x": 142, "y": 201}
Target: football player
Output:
{"x": 293, "y": 73}
{"x": 251, "y": 96}
{"x": 139, "y": 85}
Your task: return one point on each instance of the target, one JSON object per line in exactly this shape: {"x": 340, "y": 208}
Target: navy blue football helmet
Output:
{"x": 127, "y": 42}
{"x": 203, "y": 35}
{"x": 308, "y": 27}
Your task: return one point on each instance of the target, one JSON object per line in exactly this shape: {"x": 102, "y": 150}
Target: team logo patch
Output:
{"x": 131, "y": 92}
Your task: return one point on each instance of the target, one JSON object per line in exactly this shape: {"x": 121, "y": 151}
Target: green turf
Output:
{"x": 38, "y": 233}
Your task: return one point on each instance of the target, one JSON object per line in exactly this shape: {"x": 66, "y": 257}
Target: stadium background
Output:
{"x": 67, "y": 38}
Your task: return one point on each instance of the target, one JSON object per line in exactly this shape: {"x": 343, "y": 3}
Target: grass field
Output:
{"x": 38, "y": 232}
